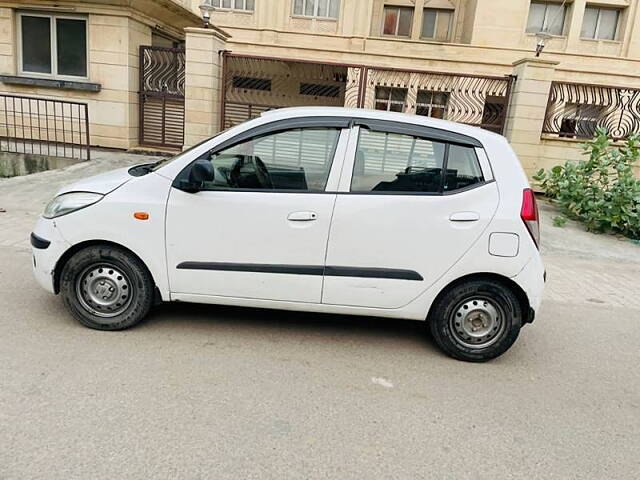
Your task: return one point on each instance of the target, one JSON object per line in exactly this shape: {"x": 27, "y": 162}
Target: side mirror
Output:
{"x": 201, "y": 171}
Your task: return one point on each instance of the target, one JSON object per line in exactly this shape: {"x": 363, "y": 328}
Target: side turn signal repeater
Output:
{"x": 141, "y": 216}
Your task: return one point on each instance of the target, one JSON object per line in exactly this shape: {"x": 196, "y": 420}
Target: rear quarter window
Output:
{"x": 463, "y": 168}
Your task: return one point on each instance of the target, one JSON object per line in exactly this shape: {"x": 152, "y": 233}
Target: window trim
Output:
{"x": 398, "y": 8}
{"x": 449, "y": 27}
{"x": 546, "y": 4}
{"x": 54, "y": 45}
{"x": 389, "y": 101}
{"x": 316, "y": 9}
{"x": 232, "y": 9}
{"x": 616, "y": 34}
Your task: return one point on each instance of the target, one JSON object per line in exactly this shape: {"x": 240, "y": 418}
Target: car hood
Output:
{"x": 103, "y": 183}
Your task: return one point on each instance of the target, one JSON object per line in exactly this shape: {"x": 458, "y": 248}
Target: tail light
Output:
{"x": 529, "y": 215}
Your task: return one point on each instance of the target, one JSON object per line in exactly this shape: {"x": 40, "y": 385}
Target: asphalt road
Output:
{"x": 201, "y": 392}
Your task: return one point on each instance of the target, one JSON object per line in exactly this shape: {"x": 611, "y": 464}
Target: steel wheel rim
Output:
{"x": 477, "y": 323}
{"x": 104, "y": 290}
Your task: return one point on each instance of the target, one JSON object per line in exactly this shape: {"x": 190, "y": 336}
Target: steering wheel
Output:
{"x": 264, "y": 178}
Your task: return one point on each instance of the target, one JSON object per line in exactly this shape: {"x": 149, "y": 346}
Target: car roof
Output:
{"x": 294, "y": 112}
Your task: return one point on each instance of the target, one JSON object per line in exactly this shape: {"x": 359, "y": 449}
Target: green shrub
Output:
{"x": 601, "y": 191}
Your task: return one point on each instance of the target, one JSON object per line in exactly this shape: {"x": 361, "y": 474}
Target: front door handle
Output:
{"x": 464, "y": 217}
{"x": 302, "y": 217}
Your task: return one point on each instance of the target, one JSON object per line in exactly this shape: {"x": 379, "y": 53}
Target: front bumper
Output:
{"x": 48, "y": 246}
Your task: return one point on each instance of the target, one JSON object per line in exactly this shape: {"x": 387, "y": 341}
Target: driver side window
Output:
{"x": 298, "y": 160}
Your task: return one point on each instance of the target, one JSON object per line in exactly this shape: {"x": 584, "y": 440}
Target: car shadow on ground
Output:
{"x": 286, "y": 323}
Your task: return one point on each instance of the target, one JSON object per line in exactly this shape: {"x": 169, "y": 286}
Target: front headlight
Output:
{"x": 70, "y": 202}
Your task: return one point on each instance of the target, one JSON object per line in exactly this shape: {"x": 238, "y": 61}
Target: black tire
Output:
{"x": 498, "y": 315}
{"x": 121, "y": 272}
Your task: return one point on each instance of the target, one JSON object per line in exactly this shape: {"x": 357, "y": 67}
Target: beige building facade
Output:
{"x": 471, "y": 61}
{"x": 595, "y": 44}
{"x": 104, "y": 37}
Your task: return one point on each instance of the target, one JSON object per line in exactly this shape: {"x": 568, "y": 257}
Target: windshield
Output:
{"x": 168, "y": 160}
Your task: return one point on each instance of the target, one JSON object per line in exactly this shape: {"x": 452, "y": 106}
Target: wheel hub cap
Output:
{"x": 477, "y": 323}
{"x": 104, "y": 290}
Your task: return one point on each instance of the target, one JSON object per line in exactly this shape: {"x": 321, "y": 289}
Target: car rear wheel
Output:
{"x": 106, "y": 288}
{"x": 476, "y": 321}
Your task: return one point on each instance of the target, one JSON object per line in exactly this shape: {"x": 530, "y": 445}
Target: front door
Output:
{"x": 259, "y": 230}
{"x": 408, "y": 209}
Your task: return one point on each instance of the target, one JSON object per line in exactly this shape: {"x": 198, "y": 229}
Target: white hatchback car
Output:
{"x": 313, "y": 209}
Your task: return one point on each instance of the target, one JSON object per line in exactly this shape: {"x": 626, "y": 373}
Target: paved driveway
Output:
{"x": 211, "y": 392}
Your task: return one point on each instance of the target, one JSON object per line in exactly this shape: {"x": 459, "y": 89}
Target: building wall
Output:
{"x": 488, "y": 37}
{"x": 114, "y": 37}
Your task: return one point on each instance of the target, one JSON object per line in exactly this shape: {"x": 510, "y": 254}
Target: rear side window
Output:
{"x": 396, "y": 163}
{"x": 390, "y": 162}
{"x": 463, "y": 169}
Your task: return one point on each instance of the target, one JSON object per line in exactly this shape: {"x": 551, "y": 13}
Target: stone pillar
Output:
{"x": 526, "y": 114}
{"x": 203, "y": 82}
{"x": 574, "y": 29}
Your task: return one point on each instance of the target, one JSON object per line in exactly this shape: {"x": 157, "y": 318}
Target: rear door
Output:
{"x": 408, "y": 208}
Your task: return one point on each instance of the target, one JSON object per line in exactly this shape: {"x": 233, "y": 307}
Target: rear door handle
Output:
{"x": 302, "y": 217}
{"x": 464, "y": 217}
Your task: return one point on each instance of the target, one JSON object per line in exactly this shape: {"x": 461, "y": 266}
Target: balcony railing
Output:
{"x": 577, "y": 110}
{"x": 42, "y": 126}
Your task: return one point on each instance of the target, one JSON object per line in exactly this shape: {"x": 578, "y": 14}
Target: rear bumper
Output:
{"x": 47, "y": 248}
{"x": 532, "y": 279}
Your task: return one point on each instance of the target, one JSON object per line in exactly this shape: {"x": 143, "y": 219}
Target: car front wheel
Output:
{"x": 106, "y": 288}
{"x": 476, "y": 321}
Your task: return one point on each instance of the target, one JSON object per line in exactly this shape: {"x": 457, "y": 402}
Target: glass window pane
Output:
{"x": 226, "y": 3}
{"x": 334, "y": 9}
{"x": 536, "y": 17}
{"x": 293, "y": 160}
{"x": 608, "y": 24}
{"x": 250, "y": 5}
{"x": 238, "y": 4}
{"x": 310, "y": 8}
{"x": 463, "y": 168}
{"x": 406, "y": 19}
{"x": 443, "y": 24}
{"x": 429, "y": 23}
{"x": 554, "y": 20}
{"x": 323, "y": 8}
{"x": 36, "y": 55}
{"x": 590, "y": 23}
{"x": 390, "y": 21}
{"x": 398, "y": 94}
{"x": 389, "y": 162}
{"x": 72, "y": 47}
{"x": 298, "y": 7}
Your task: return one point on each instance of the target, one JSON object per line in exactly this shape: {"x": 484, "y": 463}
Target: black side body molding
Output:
{"x": 329, "y": 271}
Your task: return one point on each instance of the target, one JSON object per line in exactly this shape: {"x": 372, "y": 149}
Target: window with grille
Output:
{"x": 547, "y": 17}
{"x": 432, "y": 104}
{"x": 319, "y": 90}
{"x": 317, "y": 8}
{"x": 390, "y": 99}
{"x": 397, "y": 21}
{"x": 247, "y": 5}
{"x": 250, "y": 83}
{"x": 437, "y": 24}
{"x": 601, "y": 23}
{"x": 580, "y": 119}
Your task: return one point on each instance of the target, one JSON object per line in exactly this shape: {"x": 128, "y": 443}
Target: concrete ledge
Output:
{"x": 18, "y": 164}
{"x": 50, "y": 83}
